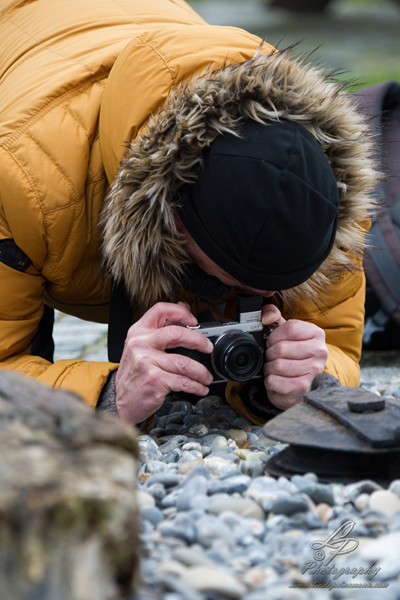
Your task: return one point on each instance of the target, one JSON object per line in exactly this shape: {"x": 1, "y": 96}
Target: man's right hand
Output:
{"x": 147, "y": 373}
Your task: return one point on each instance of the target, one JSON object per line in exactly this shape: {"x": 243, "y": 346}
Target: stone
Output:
{"x": 191, "y": 557}
{"x": 198, "y": 429}
{"x": 384, "y": 501}
{"x": 387, "y": 546}
{"x": 366, "y": 486}
{"x": 285, "y": 504}
{"x": 178, "y": 528}
{"x": 152, "y": 514}
{"x": 164, "y": 478}
{"x": 67, "y": 498}
{"x": 262, "y": 487}
{"x": 210, "y": 579}
{"x": 237, "y": 435}
{"x": 144, "y": 499}
{"x": 219, "y": 443}
{"x": 318, "y": 493}
{"x": 210, "y": 528}
{"x": 395, "y": 486}
{"x": 242, "y": 506}
{"x": 157, "y": 491}
{"x": 362, "y": 501}
{"x": 190, "y": 455}
{"x": 323, "y": 512}
{"x": 215, "y": 464}
{"x": 194, "y": 489}
{"x": 230, "y": 485}
{"x": 189, "y": 466}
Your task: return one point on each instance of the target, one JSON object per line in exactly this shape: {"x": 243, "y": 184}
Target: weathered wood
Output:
{"x": 68, "y": 509}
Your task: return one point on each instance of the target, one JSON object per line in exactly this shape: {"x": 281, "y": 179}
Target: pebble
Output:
{"x": 144, "y": 499}
{"x": 241, "y": 506}
{"x": 237, "y": 435}
{"x": 215, "y": 525}
{"x": 285, "y": 504}
{"x": 395, "y": 485}
{"x": 324, "y": 512}
{"x": 214, "y": 580}
{"x": 384, "y": 501}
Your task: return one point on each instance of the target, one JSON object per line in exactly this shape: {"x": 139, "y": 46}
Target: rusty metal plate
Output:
{"x": 340, "y": 433}
{"x": 373, "y": 419}
{"x": 306, "y": 425}
{"x": 331, "y": 465}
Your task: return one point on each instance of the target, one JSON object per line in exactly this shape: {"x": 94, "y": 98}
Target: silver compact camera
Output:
{"x": 239, "y": 346}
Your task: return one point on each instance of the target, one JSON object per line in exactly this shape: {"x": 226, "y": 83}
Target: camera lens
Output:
{"x": 237, "y": 356}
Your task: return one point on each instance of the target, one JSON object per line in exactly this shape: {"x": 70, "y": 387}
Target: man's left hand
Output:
{"x": 296, "y": 352}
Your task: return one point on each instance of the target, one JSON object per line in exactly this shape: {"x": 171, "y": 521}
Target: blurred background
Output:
{"x": 360, "y": 37}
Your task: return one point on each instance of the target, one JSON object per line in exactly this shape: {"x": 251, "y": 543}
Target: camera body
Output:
{"x": 239, "y": 346}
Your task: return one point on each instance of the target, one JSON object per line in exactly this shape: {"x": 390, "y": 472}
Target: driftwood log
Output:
{"x": 68, "y": 510}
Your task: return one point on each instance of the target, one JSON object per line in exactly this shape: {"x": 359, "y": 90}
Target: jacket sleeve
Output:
{"x": 21, "y": 308}
{"x": 341, "y": 315}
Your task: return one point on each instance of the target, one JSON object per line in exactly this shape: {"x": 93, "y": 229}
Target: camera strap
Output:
{"x": 119, "y": 321}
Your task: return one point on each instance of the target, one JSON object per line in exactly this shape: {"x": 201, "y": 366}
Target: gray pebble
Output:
{"x": 366, "y": 486}
{"x": 230, "y": 485}
{"x": 395, "y": 485}
{"x": 210, "y": 528}
{"x": 169, "y": 443}
{"x": 152, "y": 514}
{"x": 242, "y": 506}
{"x": 157, "y": 490}
{"x": 285, "y": 504}
{"x": 173, "y": 456}
{"x": 182, "y": 529}
{"x": 198, "y": 429}
{"x": 196, "y": 487}
{"x": 318, "y": 493}
{"x": 181, "y": 406}
{"x": 165, "y": 478}
{"x": 219, "y": 443}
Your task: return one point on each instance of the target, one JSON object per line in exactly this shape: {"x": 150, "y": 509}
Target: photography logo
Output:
{"x": 325, "y": 571}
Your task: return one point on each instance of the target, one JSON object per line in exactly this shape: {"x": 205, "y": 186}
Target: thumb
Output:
{"x": 271, "y": 314}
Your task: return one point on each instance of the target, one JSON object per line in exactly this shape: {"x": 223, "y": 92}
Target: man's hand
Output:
{"x": 147, "y": 373}
{"x": 296, "y": 352}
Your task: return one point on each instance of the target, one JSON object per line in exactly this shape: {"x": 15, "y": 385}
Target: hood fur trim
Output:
{"x": 140, "y": 240}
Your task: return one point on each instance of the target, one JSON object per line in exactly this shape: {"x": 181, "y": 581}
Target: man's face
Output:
{"x": 211, "y": 268}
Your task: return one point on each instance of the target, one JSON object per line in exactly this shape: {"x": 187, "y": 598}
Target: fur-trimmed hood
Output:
{"x": 141, "y": 242}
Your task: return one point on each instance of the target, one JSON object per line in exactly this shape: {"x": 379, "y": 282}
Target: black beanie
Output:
{"x": 265, "y": 206}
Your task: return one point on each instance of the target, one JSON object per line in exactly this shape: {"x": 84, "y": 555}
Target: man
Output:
{"x": 226, "y": 159}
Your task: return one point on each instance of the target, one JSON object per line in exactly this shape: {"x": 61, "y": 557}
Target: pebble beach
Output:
{"x": 216, "y": 525}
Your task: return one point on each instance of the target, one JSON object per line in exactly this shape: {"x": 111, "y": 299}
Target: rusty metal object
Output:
{"x": 340, "y": 433}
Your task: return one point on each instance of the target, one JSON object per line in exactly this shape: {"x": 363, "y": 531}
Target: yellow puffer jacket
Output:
{"x": 78, "y": 82}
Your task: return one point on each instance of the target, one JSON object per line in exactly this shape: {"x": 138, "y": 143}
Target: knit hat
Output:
{"x": 265, "y": 206}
